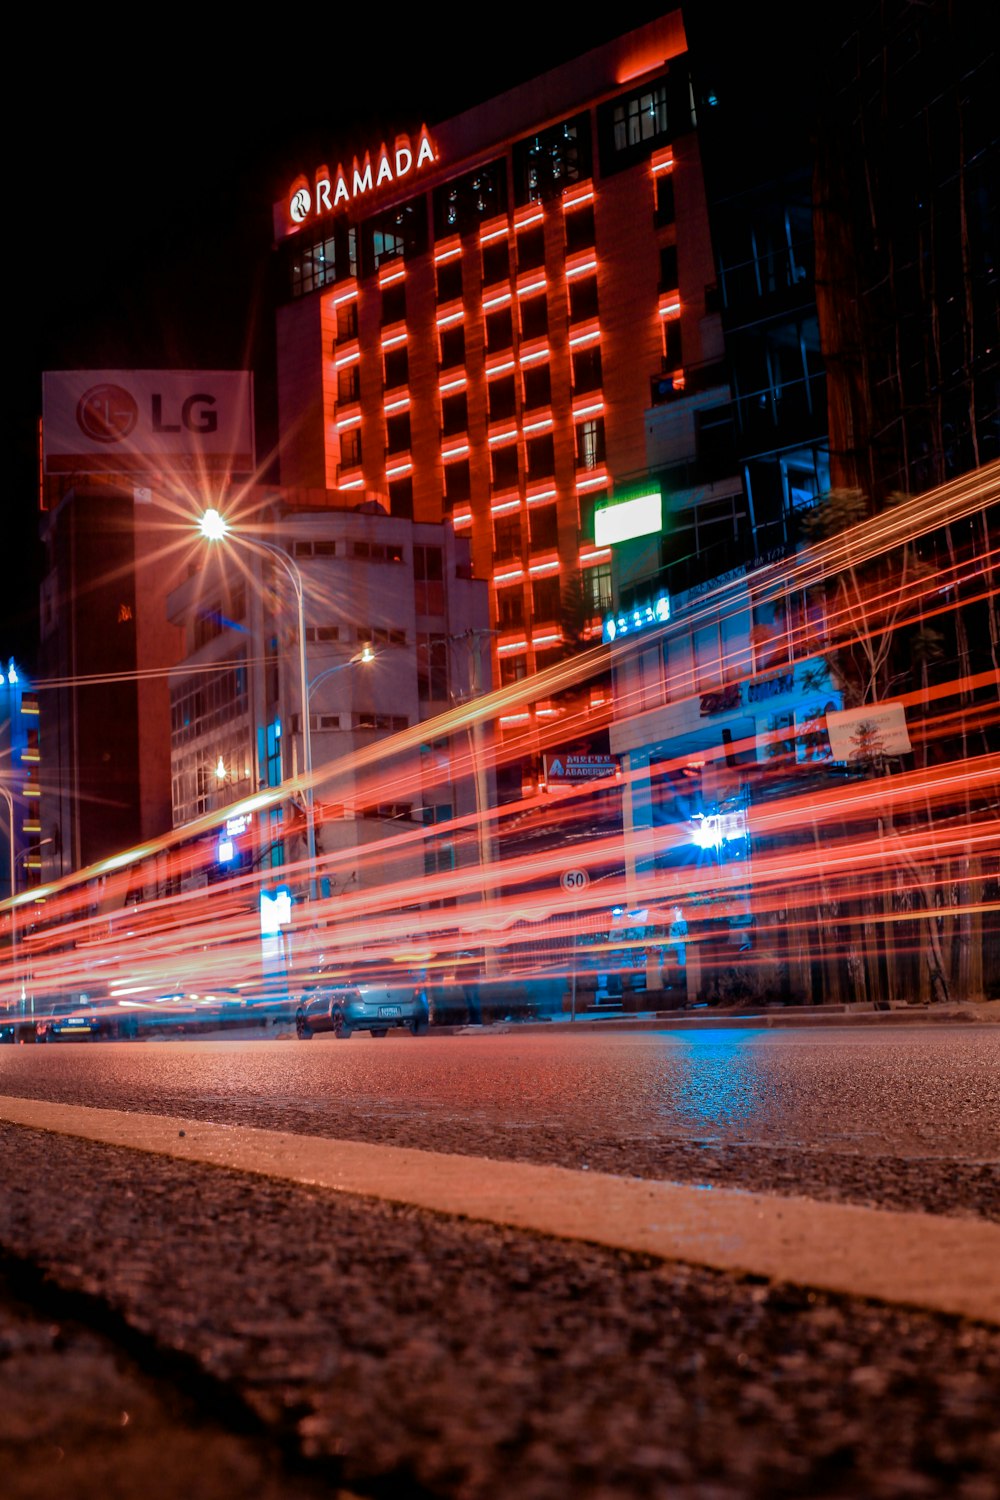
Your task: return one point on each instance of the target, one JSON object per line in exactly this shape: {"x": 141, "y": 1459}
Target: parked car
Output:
{"x": 360, "y": 1007}
{"x": 71, "y": 1026}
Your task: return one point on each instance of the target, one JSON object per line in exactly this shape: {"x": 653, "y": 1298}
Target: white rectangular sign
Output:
{"x": 623, "y": 519}
{"x": 147, "y": 421}
{"x": 863, "y": 733}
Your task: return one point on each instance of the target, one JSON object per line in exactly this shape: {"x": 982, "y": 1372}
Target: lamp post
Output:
{"x": 8, "y": 797}
{"x": 215, "y": 528}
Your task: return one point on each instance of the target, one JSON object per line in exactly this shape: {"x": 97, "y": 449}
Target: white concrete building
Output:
{"x": 396, "y": 632}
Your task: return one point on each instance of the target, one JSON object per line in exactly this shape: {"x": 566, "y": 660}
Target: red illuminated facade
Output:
{"x": 477, "y": 340}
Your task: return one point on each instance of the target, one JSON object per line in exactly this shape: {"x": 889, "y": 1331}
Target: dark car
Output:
{"x": 360, "y": 1007}
{"x": 74, "y": 1026}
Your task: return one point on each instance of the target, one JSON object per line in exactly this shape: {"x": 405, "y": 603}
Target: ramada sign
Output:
{"x": 339, "y": 189}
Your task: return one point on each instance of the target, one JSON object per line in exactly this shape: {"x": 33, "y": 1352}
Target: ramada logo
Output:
{"x": 300, "y": 205}
{"x": 340, "y": 188}
{"x": 107, "y": 413}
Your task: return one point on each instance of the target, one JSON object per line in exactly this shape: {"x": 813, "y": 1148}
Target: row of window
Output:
{"x": 532, "y": 322}
{"x": 372, "y": 635}
{"x": 542, "y": 166}
{"x": 206, "y": 702}
{"x": 497, "y": 262}
{"x": 547, "y": 601}
{"x": 535, "y": 378}
{"x": 359, "y": 551}
{"x": 770, "y": 636}
{"x": 383, "y": 723}
{"x": 504, "y": 458}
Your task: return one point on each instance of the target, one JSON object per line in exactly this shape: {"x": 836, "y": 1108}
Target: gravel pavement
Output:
{"x": 406, "y": 1355}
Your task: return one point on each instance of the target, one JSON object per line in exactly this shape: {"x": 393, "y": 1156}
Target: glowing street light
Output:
{"x": 213, "y": 525}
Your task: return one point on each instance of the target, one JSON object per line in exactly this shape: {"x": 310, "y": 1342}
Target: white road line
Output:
{"x": 920, "y": 1260}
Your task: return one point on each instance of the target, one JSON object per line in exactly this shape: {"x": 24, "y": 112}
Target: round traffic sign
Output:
{"x": 574, "y": 880}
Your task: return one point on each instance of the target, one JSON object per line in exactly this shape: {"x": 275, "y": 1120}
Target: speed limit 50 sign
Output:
{"x": 574, "y": 880}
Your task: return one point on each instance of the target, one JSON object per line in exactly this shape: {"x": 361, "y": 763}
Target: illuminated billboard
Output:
{"x": 621, "y": 520}
{"x": 147, "y": 421}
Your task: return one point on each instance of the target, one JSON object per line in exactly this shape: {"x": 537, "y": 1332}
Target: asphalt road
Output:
{"x": 903, "y": 1117}
{"x": 314, "y": 1340}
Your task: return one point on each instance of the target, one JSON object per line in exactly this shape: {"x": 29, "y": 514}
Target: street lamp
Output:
{"x": 360, "y": 658}
{"x": 7, "y": 796}
{"x": 215, "y": 528}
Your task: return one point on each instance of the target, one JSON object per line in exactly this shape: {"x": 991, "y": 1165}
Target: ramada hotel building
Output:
{"x": 473, "y": 314}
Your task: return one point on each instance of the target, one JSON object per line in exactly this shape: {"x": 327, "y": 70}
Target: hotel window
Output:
{"x": 629, "y": 127}
{"x": 503, "y": 399}
{"x": 590, "y": 443}
{"x": 534, "y": 317}
{"x": 504, "y": 466}
{"x": 506, "y": 537}
{"x": 428, "y": 580}
{"x": 580, "y": 229}
{"x": 350, "y": 448}
{"x": 449, "y": 280}
{"x": 394, "y": 233}
{"x": 401, "y": 497}
{"x": 347, "y": 320}
{"x": 385, "y": 245}
{"x": 546, "y": 598}
{"x": 587, "y": 368}
{"x": 671, "y": 343}
{"x": 544, "y": 524}
{"x": 546, "y": 163}
{"x": 510, "y": 608}
{"x": 641, "y": 118}
{"x": 454, "y": 414}
{"x": 457, "y": 483}
{"x": 496, "y": 261}
{"x": 597, "y": 588}
{"x": 531, "y": 248}
{"x": 313, "y": 265}
{"x": 499, "y": 330}
{"x": 537, "y": 386}
{"x": 541, "y": 456}
{"x": 548, "y": 657}
{"x": 452, "y": 346}
{"x": 349, "y": 384}
{"x": 397, "y": 433}
{"x": 666, "y": 212}
{"x": 397, "y": 366}
{"x": 668, "y": 268}
{"x": 513, "y": 669}
{"x": 466, "y": 201}
{"x": 394, "y": 303}
{"x": 582, "y": 298}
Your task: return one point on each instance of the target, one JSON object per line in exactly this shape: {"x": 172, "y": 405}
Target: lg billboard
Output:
{"x": 147, "y": 421}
